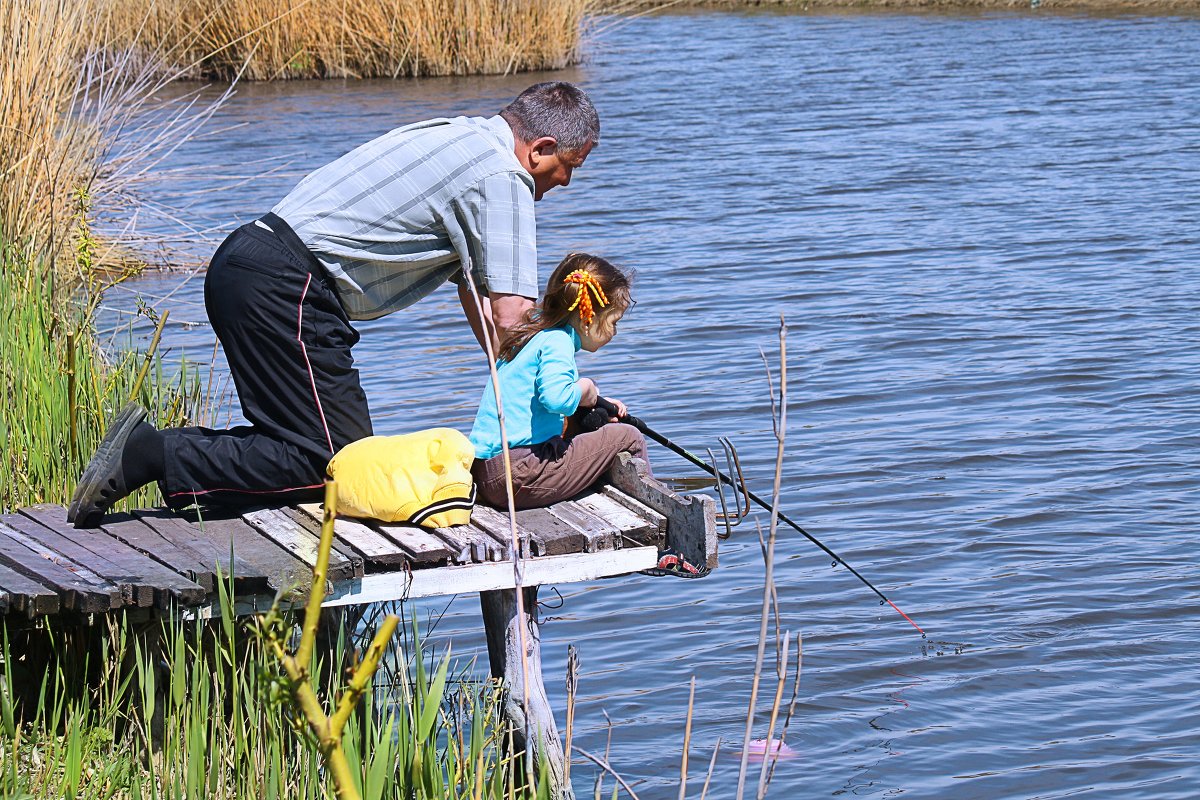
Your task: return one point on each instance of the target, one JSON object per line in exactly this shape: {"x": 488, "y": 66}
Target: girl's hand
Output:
{"x": 621, "y": 410}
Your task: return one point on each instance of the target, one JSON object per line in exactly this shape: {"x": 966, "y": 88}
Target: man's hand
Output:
{"x": 500, "y": 313}
{"x": 507, "y": 311}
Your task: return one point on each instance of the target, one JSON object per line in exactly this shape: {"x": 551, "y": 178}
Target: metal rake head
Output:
{"x": 741, "y": 495}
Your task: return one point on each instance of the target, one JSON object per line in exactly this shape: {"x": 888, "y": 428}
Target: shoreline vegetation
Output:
{"x": 300, "y": 39}
{"x": 261, "y": 40}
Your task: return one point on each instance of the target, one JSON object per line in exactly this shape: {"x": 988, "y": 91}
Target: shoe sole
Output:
{"x": 101, "y": 466}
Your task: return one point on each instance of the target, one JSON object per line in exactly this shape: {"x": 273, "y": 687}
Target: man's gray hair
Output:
{"x": 556, "y": 109}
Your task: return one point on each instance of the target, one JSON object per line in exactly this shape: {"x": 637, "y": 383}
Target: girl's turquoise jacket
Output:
{"x": 539, "y": 387}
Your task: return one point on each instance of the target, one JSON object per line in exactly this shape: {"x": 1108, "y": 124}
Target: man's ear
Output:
{"x": 542, "y": 147}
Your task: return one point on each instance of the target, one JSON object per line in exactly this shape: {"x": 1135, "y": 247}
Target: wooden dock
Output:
{"x": 160, "y": 561}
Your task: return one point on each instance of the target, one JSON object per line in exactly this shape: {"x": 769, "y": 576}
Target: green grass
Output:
{"x": 187, "y": 710}
{"x": 61, "y": 389}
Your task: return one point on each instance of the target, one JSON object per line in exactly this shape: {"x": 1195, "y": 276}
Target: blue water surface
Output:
{"x": 982, "y": 233}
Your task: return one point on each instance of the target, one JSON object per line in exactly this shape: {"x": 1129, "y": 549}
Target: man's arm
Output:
{"x": 500, "y": 313}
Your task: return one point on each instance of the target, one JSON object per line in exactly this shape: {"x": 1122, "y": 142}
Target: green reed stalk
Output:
{"x": 61, "y": 389}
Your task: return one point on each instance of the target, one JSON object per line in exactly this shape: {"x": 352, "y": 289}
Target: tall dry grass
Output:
{"x": 46, "y": 150}
{"x": 280, "y": 39}
{"x": 82, "y": 122}
{"x": 79, "y": 127}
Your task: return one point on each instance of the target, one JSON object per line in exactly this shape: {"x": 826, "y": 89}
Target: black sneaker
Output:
{"x": 103, "y": 482}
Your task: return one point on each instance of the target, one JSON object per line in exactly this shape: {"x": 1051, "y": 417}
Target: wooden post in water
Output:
{"x": 504, "y": 651}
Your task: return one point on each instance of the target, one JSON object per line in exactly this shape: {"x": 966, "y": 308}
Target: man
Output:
{"x": 366, "y": 235}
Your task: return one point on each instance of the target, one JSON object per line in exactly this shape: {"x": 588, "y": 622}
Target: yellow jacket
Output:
{"x": 422, "y": 477}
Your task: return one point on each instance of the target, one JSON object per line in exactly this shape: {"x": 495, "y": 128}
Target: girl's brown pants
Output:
{"x": 557, "y": 469}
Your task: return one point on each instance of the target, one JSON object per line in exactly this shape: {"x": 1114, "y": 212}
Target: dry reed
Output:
{"x": 73, "y": 131}
{"x": 269, "y": 40}
{"x": 45, "y": 150}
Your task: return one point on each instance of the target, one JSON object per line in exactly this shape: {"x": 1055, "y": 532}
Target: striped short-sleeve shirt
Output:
{"x": 395, "y": 218}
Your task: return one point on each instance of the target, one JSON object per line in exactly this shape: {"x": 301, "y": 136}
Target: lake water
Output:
{"x": 982, "y": 231}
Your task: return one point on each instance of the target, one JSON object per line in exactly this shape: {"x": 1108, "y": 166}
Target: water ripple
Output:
{"x": 982, "y": 231}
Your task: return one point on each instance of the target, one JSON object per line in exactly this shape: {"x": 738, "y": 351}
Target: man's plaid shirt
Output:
{"x": 396, "y": 217}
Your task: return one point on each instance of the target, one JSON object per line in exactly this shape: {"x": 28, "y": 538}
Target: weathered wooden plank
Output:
{"x": 632, "y": 528}
{"x": 691, "y": 520}
{"x": 658, "y": 536}
{"x": 483, "y": 546}
{"x": 115, "y": 561}
{"x": 383, "y": 587}
{"x": 282, "y": 569}
{"x": 146, "y": 540}
{"x": 30, "y": 533}
{"x": 26, "y": 594}
{"x": 601, "y": 535}
{"x": 470, "y": 544}
{"x": 79, "y": 588}
{"x": 42, "y": 536}
{"x": 374, "y": 548}
{"x": 189, "y": 537}
{"x": 550, "y": 535}
{"x": 498, "y": 549}
{"x": 484, "y": 521}
{"x": 423, "y": 548}
{"x": 494, "y": 575}
{"x": 496, "y": 525}
{"x": 460, "y": 546}
{"x": 171, "y": 584}
{"x": 301, "y": 542}
{"x": 337, "y": 553}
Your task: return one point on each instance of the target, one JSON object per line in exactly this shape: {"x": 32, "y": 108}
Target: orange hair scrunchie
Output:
{"x": 583, "y": 300}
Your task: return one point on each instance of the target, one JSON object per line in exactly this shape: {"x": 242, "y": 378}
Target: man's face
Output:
{"x": 551, "y": 167}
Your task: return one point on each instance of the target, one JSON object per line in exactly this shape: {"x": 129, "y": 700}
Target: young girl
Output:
{"x": 540, "y": 386}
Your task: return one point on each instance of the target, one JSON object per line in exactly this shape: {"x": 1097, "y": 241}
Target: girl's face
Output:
{"x": 601, "y": 330}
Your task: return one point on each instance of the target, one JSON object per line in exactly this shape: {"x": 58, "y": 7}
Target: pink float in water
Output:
{"x": 760, "y": 749}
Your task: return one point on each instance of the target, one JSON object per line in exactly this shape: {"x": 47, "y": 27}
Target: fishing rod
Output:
{"x": 716, "y": 473}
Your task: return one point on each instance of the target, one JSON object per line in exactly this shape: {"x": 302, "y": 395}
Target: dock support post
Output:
{"x": 504, "y": 651}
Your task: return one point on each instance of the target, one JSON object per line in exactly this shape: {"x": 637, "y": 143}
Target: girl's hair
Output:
{"x": 561, "y": 296}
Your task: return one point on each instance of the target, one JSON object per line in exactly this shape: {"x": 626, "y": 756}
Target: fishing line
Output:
{"x": 716, "y": 473}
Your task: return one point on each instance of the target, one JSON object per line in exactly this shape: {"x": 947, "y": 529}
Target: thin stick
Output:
{"x": 518, "y": 563}
{"x": 711, "y": 766}
{"x": 327, "y": 730}
{"x": 607, "y": 751}
{"x": 72, "y": 409}
{"x": 312, "y": 610}
{"x": 572, "y": 687}
{"x": 791, "y": 706}
{"x": 604, "y": 765}
{"x": 781, "y": 672}
{"x": 769, "y": 577}
{"x": 687, "y": 741}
